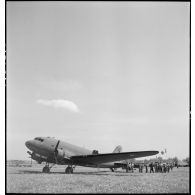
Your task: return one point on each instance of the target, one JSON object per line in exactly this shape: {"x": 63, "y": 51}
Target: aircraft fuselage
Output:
{"x": 43, "y": 150}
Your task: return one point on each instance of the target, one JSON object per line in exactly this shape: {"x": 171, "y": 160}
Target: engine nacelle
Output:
{"x": 60, "y": 154}
{"x": 38, "y": 158}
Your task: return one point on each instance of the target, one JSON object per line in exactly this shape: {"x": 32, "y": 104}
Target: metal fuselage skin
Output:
{"x": 45, "y": 149}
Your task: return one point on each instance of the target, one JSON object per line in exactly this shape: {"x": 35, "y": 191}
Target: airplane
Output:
{"x": 55, "y": 151}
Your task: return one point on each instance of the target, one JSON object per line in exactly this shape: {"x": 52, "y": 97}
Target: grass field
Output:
{"x": 89, "y": 180}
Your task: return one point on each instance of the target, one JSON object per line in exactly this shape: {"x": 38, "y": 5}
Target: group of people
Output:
{"x": 152, "y": 167}
{"x": 156, "y": 167}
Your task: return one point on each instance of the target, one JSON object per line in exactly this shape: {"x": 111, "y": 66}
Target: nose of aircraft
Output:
{"x": 28, "y": 144}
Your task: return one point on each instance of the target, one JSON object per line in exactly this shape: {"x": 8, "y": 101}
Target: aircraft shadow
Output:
{"x": 98, "y": 173}
{"x": 105, "y": 173}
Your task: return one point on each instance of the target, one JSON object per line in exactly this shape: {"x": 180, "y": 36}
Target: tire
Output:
{"x": 69, "y": 170}
{"x": 45, "y": 169}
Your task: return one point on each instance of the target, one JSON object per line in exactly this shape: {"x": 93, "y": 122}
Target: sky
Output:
{"x": 98, "y": 75}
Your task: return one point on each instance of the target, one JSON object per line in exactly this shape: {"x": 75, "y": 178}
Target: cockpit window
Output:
{"x": 39, "y": 139}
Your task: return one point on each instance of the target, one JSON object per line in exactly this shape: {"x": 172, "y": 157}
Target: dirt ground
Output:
{"x": 90, "y": 180}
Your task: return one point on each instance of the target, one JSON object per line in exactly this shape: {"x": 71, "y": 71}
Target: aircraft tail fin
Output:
{"x": 118, "y": 149}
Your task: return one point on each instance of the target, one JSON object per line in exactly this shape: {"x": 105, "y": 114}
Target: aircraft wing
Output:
{"x": 110, "y": 157}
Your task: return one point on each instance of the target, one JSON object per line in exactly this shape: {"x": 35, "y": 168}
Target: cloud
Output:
{"x": 60, "y": 103}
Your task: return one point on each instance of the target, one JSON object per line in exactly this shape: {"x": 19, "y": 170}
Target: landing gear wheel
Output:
{"x": 46, "y": 169}
{"x": 69, "y": 170}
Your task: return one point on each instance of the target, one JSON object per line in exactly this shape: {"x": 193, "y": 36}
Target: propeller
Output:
{"x": 56, "y": 151}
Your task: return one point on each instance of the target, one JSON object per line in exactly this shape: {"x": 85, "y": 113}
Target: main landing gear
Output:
{"x": 46, "y": 168}
{"x": 69, "y": 170}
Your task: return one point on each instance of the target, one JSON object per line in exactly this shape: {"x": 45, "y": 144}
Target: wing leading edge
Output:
{"x": 110, "y": 157}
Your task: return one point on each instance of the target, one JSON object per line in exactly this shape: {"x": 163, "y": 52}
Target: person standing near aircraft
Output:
{"x": 151, "y": 167}
{"x": 158, "y": 167}
{"x": 139, "y": 168}
{"x": 146, "y": 167}
{"x": 171, "y": 166}
{"x": 132, "y": 167}
{"x": 161, "y": 167}
{"x": 155, "y": 167}
{"x": 168, "y": 167}
{"x": 128, "y": 168}
{"x": 164, "y": 168}
{"x": 142, "y": 167}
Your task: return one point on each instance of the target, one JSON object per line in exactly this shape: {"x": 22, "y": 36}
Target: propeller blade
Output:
{"x": 56, "y": 151}
{"x": 56, "y": 146}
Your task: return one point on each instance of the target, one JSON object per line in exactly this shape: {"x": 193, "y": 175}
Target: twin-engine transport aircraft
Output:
{"x": 51, "y": 150}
